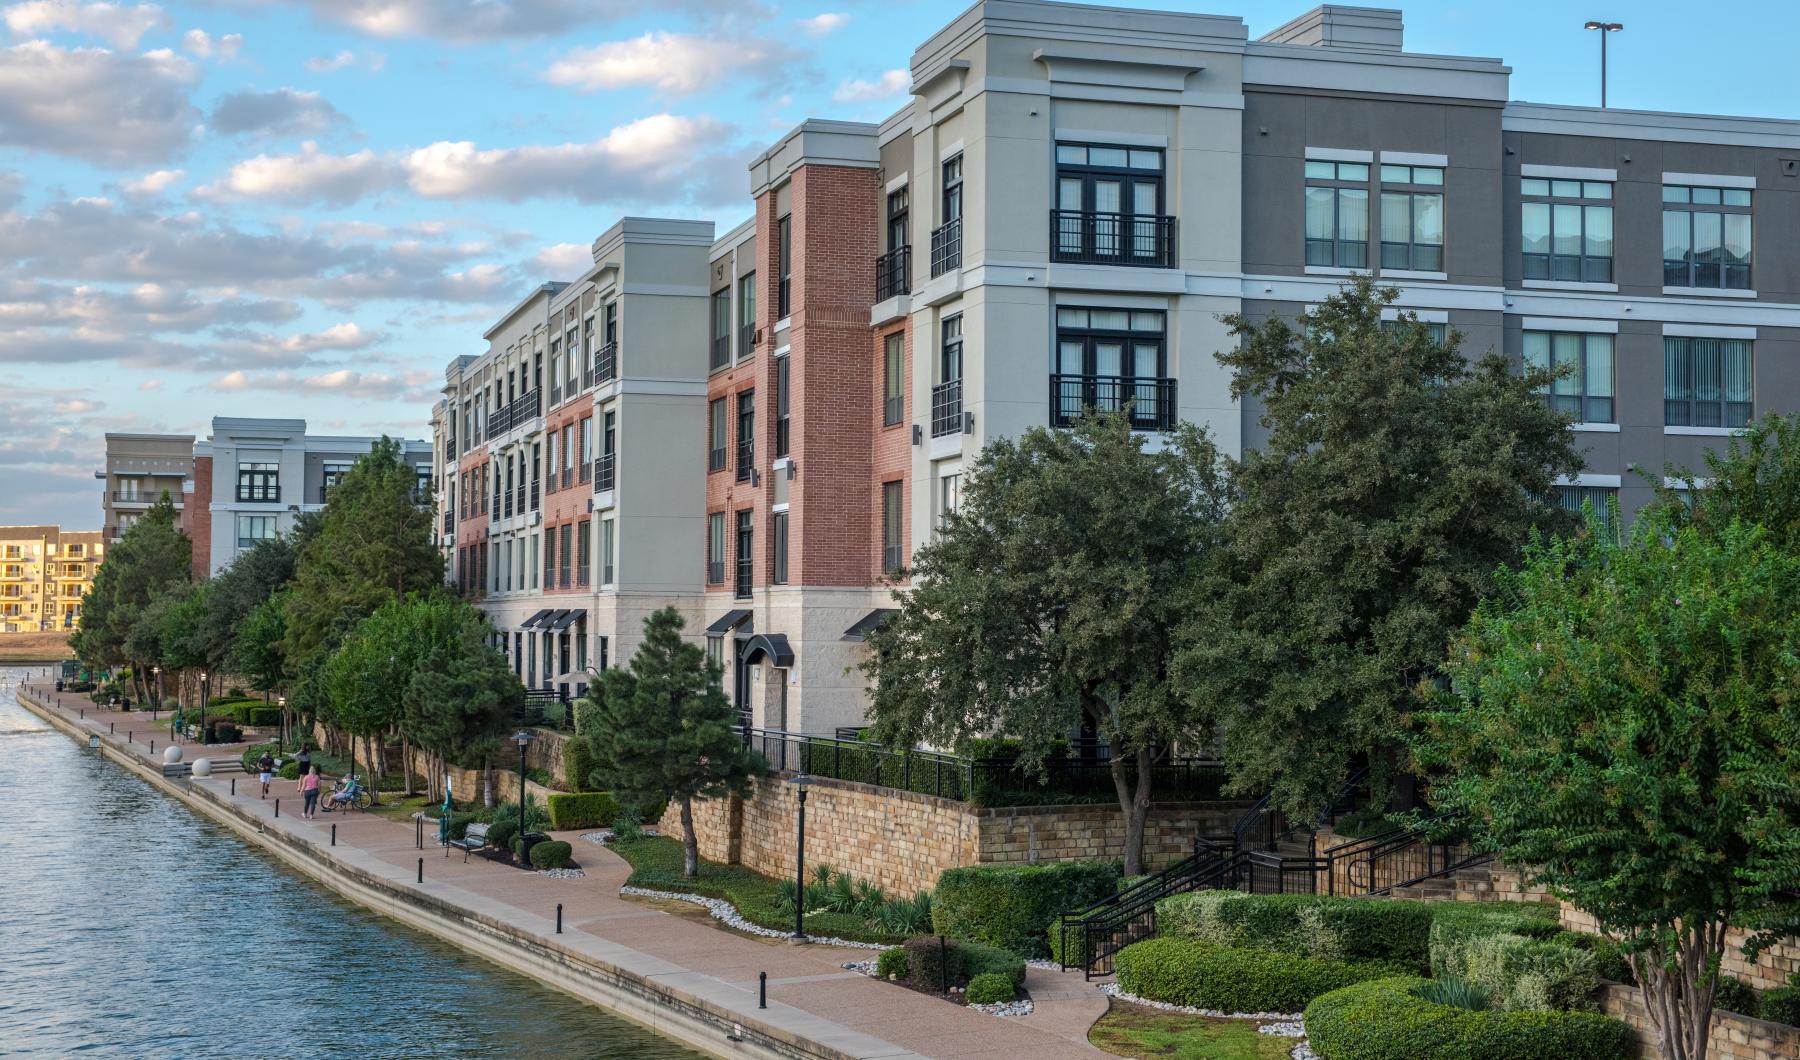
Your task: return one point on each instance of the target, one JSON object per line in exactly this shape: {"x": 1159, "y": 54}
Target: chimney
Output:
{"x": 1337, "y": 26}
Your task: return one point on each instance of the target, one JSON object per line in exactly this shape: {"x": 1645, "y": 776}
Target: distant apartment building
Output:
{"x": 141, "y": 469}
{"x": 1056, "y": 221}
{"x": 45, "y": 571}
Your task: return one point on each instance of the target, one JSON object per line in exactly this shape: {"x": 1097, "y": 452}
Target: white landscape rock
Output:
{"x": 172, "y": 754}
{"x": 1281, "y": 1024}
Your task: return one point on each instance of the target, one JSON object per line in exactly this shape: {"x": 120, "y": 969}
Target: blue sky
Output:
{"x": 305, "y": 207}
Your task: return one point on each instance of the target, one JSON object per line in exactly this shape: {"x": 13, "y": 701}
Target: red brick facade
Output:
{"x": 196, "y": 517}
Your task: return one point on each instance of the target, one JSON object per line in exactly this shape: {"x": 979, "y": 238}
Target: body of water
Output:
{"x": 131, "y": 926}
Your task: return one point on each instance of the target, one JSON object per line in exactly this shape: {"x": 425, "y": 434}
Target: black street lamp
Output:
{"x": 203, "y": 739}
{"x": 281, "y": 733}
{"x": 523, "y": 739}
{"x": 800, "y": 781}
{"x": 1605, "y": 28}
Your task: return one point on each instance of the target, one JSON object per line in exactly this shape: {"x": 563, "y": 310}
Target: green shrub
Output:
{"x": 592, "y": 809}
{"x": 460, "y": 821}
{"x": 1781, "y": 1005}
{"x": 254, "y": 752}
{"x": 891, "y": 964}
{"x": 1454, "y": 920}
{"x": 536, "y": 820}
{"x": 1519, "y": 973}
{"x": 932, "y": 964}
{"x": 554, "y": 854}
{"x": 578, "y": 764}
{"x": 1387, "y": 1020}
{"x": 628, "y": 824}
{"x": 1735, "y": 995}
{"x": 262, "y": 717}
{"x": 1013, "y": 906}
{"x": 978, "y": 959}
{"x": 222, "y": 732}
{"x": 1609, "y": 959}
{"x": 1349, "y": 929}
{"x": 989, "y": 988}
{"x": 289, "y": 771}
{"x": 501, "y": 833}
{"x": 1207, "y": 975}
{"x": 1456, "y": 993}
{"x": 906, "y": 916}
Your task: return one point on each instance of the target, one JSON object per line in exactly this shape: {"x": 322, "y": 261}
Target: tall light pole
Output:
{"x": 523, "y": 739}
{"x": 203, "y": 739}
{"x": 1604, "y": 28}
{"x": 800, "y": 781}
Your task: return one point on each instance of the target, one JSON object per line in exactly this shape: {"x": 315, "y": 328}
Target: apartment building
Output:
{"x": 44, "y": 573}
{"x": 140, "y": 470}
{"x": 1057, "y": 220}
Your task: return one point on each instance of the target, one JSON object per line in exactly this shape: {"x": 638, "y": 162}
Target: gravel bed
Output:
{"x": 726, "y": 913}
{"x": 562, "y": 874}
{"x": 1282, "y": 1024}
{"x": 1006, "y": 1008}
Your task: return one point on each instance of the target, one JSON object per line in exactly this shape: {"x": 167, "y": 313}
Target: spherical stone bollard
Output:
{"x": 172, "y": 754}
{"x": 202, "y": 767}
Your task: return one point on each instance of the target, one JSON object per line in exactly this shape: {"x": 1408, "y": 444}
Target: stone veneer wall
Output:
{"x": 1771, "y": 969}
{"x": 1734, "y": 1037}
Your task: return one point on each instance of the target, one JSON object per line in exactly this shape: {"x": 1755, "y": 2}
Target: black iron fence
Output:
{"x": 946, "y": 408}
{"x": 893, "y": 273}
{"x": 946, "y": 248}
{"x": 1149, "y": 399}
{"x": 1092, "y": 238}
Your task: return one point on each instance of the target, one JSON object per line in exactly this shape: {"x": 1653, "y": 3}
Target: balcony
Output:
{"x": 1150, "y": 400}
{"x": 259, "y": 495}
{"x": 946, "y": 408}
{"x": 134, "y": 498}
{"x": 893, "y": 273}
{"x": 1088, "y": 238}
{"x": 523, "y": 410}
{"x": 606, "y": 364}
{"x": 603, "y": 472}
{"x": 946, "y": 248}
{"x": 506, "y": 505}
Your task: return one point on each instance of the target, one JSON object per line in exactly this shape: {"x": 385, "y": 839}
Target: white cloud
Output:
{"x": 232, "y": 380}
{"x": 117, "y": 24}
{"x": 563, "y": 260}
{"x": 153, "y": 183}
{"x": 282, "y": 112}
{"x": 676, "y": 63}
{"x": 78, "y": 406}
{"x": 95, "y": 104}
{"x": 339, "y": 382}
{"x": 327, "y": 64}
{"x": 345, "y": 336}
{"x": 482, "y": 21}
{"x": 307, "y": 177}
{"x": 150, "y": 384}
{"x": 202, "y": 45}
{"x": 647, "y": 159}
{"x": 889, "y": 84}
{"x": 822, "y": 24}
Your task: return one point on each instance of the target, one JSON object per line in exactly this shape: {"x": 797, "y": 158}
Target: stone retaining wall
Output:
{"x": 1734, "y": 1037}
{"x": 1770, "y": 969}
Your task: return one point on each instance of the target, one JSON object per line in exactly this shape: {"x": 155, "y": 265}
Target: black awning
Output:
{"x": 549, "y": 619}
{"x": 872, "y": 621}
{"x": 534, "y": 619}
{"x": 728, "y": 622}
{"x": 565, "y": 619}
{"x": 773, "y": 645}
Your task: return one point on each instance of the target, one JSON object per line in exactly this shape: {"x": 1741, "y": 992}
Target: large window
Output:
{"x": 1107, "y": 359}
{"x": 1567, "y": 228}
{"x": 1585, "y": 390}
{"x": 893, "y": 382}
{"x": 946, "y": 396}
{"x": 1706, "y": 237}
{"x": 715, "y": 548}
{"x": 746, "y": 434}
{"x": 896, "y": 218}
{"x": 746, "y": 314}
{"x": 1706, "y": 382}
{"x": 778, "y": 531}
{"x": 721, "y": 327}
{"x": 784, "y": 266}
{"x": 783, "y": 424}
{"x": 718, "y": 434}
{"x": 252, "y": 529}
{"x": 946, "y": 239}
{"x": 746, "y": 558}
{"x": 1412, "y": 218}
{"x": 1337, "y": 214}
{"x": 949, "y": 496}
{"x": 582, "y": 545}
{"x": 1109, "y": 205}
{"x": 891, "y": 512}
{"x": 550, "y": 557}
{"x": 334, "y": 473}
{"x": 259, "y": 482}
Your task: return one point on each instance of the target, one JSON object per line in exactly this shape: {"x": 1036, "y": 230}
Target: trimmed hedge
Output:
{"x": 1385, "y": 1020}
{"x": 1207, "y": 975}
{"x": 891, "y": 964}
{"x": 1344, "y": 929}
{"x": 929, "y": 964}
{"x": 589, "y": 809}
{"x": 578, "y": 764}
{"x": 500, "y": 833}
{"x": 553, "y": 854}
{"x": 1013, "y": 906}
{"x": 1521, "y": 974}
{"x": 989, "y": 988}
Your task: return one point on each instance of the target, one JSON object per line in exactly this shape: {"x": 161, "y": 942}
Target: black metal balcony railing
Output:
{"x": 946, "y": 408}
{"x": 562, "y": 577}
{"x": 136, "y": 498}
{"x": 1150, "y": 399}
{"x": 603, "y": 472}
{"x": 1090, "y": 238}
{"x": 259, "y": 495}
{"x": 893, "y": 273}
{"x": 721, "y": 351}
{"x": 507, "y": 505}
{"x": 606, "y": 363}
{"x": 946, "y": 248}
{"x": 519, "y": 499}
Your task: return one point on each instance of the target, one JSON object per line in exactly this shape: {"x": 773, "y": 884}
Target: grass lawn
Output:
{"x": 1136, "y": 1031}
{"x": 656, "y": 865}
{"x": 400, "y": 808}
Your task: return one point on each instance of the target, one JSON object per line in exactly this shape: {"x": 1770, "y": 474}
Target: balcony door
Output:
{"x": 1108, "y": 358}
{"x": 1109, "y": 203}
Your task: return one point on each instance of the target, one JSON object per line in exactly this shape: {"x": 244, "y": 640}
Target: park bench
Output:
{"x": 474, "y": 840}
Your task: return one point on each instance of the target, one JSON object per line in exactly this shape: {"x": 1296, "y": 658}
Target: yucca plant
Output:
{"x": 1457, "y": 993}
{"x": 905, "y": 916}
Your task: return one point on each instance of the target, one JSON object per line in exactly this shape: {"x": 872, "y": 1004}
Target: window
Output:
{"x": 606, "y": 551}
{"x": 1109, "y": 202}
{"x": 531, "y": 564}
{"x": 715, "y": 548}
{"x": 746, "y": 434}
{"x": 550, "y": 557}
{"x": 896, "y": 218}
{"x": 550, "y": 459}
{"x": 778, "y": 529}
{"x": 950, "y": 349}
{"x": 891, "y": 559}
{"x": 259, "y": 482}
{"x": 746, "y": 559}
{"x": 1412, "y": 218}
{"x": 586, "y": 468}
{"x": 1585, "y": 392}
{"x": 952, "y": 176}
{"x": 721, "y": 327}
{"x": 1706, "y": 237}
{"x": 892, "y": 380}
{"x": 1601, "y": 497}
{"x": 946, "y": 396}
{"x": 1567, "y": 229}
{"x": 784, "y": 265}
{"x": 1108, "y": 359}
{"x": 1434, "y": 331}
{"x": 1337, "y": 214}
{"x": 949, "y": 495}
{"x": 252, "y": 529}
{"x": 582, "y": 545}
{"x": 717, "y": 434}
{"x": 746, "y": 315}
{"x": 506, "y": 563}
{"x": 782, "y": 407}
{"x": 1706, "y": 382}
{"x": 946, "y": 240}
{"x": 565, "y": 552}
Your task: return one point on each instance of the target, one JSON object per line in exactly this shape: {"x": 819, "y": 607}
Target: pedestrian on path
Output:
{"x": 309, "y": 787}
{"x": 266, "y": 766}
{"x": 305, "y": 760}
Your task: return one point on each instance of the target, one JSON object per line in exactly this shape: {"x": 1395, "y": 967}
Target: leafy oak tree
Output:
{"x": 1756, "y": 479}
{"x": 664, "y": 730}
{"x": 1396, "y": 478}
{"x": 150, "y": 558}
{"x": 462, "y": 693}
{"x": 1051, "y": 598}
{"x": 1625, "y": 725}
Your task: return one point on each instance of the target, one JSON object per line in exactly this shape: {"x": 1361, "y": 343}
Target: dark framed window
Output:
{"x": 610, "y": 330}
{"x": 782, "y": 408}
{"x": 254, "y": 529}
{"x": 746, "y": 559}
{"x": 1706, "y": 237}
{"x": 567, "y": 553}
{"x": 715, "y": 548}
{"x": 582, "y": 545}
{"x": 897, "y": 205}
{"x": 1707, "y": 382}
{"x": 892, "y": 510}
{"x": 778, "y": 532}
{"x": 1585, "y": 390}
{"x": 607, "y": 548}
{"x": 784, "y": 265}
{"x": 893, "y": 381}
{"x": 550, "y": 557}
{"x": 746, "y": 434}
{"x": 946, "y": 395}
{"x": 718, "y": 434}
{"x": 1566, "y": 229}
{"x": 259, "y": 482}
{"x": 950, "y": 349}
{"x": 1109, "y": 204}
{"x": 746, "y": 314}
{"x": 951, "y": 176}
{"x": 1337, "y": 214}
{"x": 1108, "y": 359}
{"x": 1601, "y": 497}
{"x": 946, "y": 238}
{"x": 1412, "y": 218}
{"x": 721, "y": 327}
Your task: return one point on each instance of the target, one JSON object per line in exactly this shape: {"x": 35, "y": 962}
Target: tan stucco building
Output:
{"x": 45, "y": 571}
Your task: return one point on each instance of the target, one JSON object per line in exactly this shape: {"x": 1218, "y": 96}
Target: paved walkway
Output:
{"x": 810, "y": 993}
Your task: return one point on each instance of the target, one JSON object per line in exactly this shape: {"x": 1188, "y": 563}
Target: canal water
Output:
{"x": 129, "y": 926}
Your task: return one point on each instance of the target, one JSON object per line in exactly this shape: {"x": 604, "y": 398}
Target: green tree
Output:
{"x": 152, "y": 555}
{"x": 180, "y": 615}
{"x": 1396, "y": 478}
{"x": 463, "y": 694}
{"x": 1052, "y": 598}
{"x": 1625, "y": 725}
{"x": 236, "y": 591}
{"x": 256, "y": 649}
{"x": 666, "y": 731}
{"x": 1755, "y": 480}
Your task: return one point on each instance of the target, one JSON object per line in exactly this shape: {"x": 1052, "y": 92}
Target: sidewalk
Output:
{"x": 810, "y": 994}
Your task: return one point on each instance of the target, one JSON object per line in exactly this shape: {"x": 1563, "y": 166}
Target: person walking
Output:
{"x": 266, "y": 766}
{"x": 309, "y": 788}
{"x": 305, "y": 760}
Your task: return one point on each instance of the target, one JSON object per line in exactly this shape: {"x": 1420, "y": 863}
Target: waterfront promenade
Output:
{"x": 689, "y": 977}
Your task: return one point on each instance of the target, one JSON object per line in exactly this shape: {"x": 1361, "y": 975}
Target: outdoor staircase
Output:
{"x": 220, "y": 767}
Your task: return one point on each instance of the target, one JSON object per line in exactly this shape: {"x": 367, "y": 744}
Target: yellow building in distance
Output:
{"x": 45, "y": 571}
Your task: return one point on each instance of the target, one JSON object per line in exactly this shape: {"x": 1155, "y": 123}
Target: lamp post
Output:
{"x": 800, "y": 781}
{"x": 523, "y": 739}
{"x": 281, "y": 734}
{"x": 1604, "y": 28}
{"x": 203, "y": 739}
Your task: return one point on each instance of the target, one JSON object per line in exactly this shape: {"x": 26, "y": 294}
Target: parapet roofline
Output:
{"x": 1557, "y": 119}
{"x": 1085, "y": 23}
{"x": 543, "y": 290}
